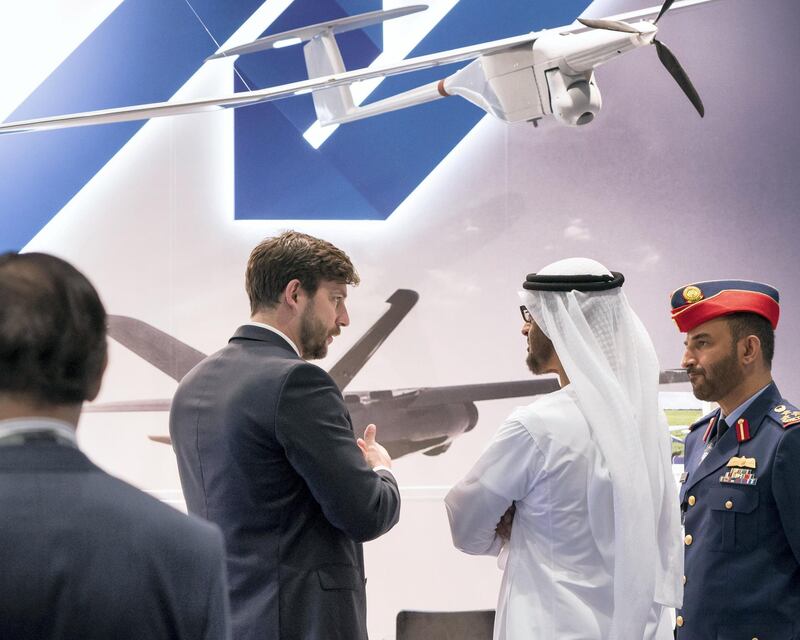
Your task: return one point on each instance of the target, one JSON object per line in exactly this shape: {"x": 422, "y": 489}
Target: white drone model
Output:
{"x": 523, "y": 78}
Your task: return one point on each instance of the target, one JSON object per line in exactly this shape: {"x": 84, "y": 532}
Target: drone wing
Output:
{"x": 160, "y": 109}
{"x": 401, "y": 301}
{"x": 164, "y": 352}
{"x": 468, "y": 393}
{"x": 433, "y": 396}
{"x": 650, "y": 12}
{"x": 332, "y": 27}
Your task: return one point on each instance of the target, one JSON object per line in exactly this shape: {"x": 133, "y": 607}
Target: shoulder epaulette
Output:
{"x": 702, "y": 420}
{"x": 785, "y": 414}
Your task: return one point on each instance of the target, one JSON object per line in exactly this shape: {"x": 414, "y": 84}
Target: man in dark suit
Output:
{"x": 266, "y": 450}
{"x": 740, "y": 492}
{"x": 82, "y": 554}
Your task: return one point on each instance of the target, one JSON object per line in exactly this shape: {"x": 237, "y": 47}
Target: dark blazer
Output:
{"x": 742, "y": 550}
{"x": 266, "y": 450}
{"x": 84, "y": 555}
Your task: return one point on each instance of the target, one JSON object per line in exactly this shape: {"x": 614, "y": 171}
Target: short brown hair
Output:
{"x": 52, "y": 330}
{"x": 293, "y": 255}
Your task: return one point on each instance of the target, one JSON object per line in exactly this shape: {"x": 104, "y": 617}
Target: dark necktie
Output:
{"x": 722, "y": 427}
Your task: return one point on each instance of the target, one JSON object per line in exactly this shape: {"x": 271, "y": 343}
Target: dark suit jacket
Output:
{"x": 742, "y": 551}
{"x": 266, "y": 450}
{"x": 84, "y": 555}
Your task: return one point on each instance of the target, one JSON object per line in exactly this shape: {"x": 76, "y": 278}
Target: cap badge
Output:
{"x": 780, "y": 408}
{"x": 692, "y": 294}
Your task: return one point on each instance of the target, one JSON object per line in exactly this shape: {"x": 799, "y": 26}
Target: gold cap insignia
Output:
{"x": 780, "y": 408}
{"x": 692, "y": 294}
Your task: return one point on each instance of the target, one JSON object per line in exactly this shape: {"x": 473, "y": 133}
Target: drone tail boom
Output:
{"x": 323, "y": 58}
{"x": 419, "y": 95}
{"x": 336, "y": 105}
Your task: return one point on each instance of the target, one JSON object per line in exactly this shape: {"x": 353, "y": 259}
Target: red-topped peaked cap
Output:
{"x": 694, "y": 304}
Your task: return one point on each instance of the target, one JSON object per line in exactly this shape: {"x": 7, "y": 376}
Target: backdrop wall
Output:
{"x": 439, "y": 199}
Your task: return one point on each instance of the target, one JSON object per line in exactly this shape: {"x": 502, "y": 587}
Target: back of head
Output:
{"x": 52, "y": 331}
{"x": 289, "y": 256}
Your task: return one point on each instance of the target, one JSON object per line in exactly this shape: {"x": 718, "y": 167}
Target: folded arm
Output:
{"x": 478, "y": 505}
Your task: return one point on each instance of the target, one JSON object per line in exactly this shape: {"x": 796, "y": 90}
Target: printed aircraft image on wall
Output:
{"x": 424, "y": 419}
{"x": 522, "y": 78}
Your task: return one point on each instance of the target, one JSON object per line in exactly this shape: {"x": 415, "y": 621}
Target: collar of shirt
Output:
{"x": 738, "y": 411}
{"x": 14, "y": 431}
{"x": 269, "y": 327}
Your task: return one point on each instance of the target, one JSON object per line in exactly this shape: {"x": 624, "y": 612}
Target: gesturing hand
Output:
{"x": 374, "y": 453}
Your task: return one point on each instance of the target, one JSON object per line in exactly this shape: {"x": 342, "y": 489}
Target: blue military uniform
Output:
{"x": 741, "y": 506}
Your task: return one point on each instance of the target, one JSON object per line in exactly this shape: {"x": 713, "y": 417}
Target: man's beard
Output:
{"x": 717, "y": 379}
{"x": 313, "y": 335}
{"x": 540, "y": 350}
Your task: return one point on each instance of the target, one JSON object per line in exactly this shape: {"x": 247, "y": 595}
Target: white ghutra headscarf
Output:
{"x": 612, "y": 366}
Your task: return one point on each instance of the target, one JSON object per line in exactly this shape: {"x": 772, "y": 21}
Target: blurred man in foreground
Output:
{"x": 82, "y": 554}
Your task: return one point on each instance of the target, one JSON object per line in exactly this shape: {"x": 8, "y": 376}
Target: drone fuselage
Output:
{"x": 552, "y": 77}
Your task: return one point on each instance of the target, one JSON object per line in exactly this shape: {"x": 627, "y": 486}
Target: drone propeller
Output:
{"x": 675, "y": 69}
{"x": 666, "y": 56}
{"x": 664, "y": 8}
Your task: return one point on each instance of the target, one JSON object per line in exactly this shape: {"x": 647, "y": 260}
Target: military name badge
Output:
{"x": 739, "y": 475}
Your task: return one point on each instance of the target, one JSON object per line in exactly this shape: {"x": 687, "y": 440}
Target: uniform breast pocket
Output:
{"x": 734, "y": 517}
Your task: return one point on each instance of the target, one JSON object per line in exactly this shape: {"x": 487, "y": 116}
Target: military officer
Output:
{"x": 740, "y": 492}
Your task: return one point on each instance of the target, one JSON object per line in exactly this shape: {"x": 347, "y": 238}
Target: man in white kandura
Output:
{"x": 575, "y": 491}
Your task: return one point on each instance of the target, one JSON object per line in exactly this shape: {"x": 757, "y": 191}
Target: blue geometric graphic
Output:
{"x": 147, "y": 49}
{"x": 143, "y": 52}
